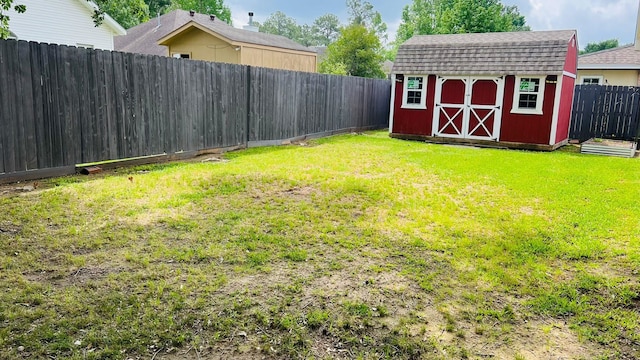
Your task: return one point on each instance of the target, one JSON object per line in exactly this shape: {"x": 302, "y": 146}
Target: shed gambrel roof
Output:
{"x": 143, "y": 38}
{"x": 507, "y": 53}
{"x": 620, "y": 58}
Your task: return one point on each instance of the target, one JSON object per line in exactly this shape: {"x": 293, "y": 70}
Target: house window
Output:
{"x": 86, "y": 46}
{"x": 181, "y": 55}
{"x": 528, "y": 95}
{"x": 591, "y": 80}
{"x": 415, "y": 92}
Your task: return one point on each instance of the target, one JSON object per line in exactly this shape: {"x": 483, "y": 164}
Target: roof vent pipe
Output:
{"x": 192, "y": 12}
{"x": 157, "y": 26}
{"x": 250, "y": 26}
{"x": 212, "y": 17}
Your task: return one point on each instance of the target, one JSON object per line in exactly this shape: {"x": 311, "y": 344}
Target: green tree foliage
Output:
{"x": 603, "y": 45}
{"x": 329, "y": 66}
{"x": 423, "y": 17}
{"x": 158, "y": 7}
{"x": 472, "y": 16}
{"x": 357, "y": 52}
{"x": 279, "y": 23}
{"x": 306, "y": 37}
{"x": 6, "y": 5}
{"x": 130, "y": 13}
{"x": 127, "y": 13}
{"x": 325, "y": 29}
{"x": 418, "y": 18}
{"x": 517, "y": 20}
{"x": 212, "y": 7}
{"x": 363, "y": 13}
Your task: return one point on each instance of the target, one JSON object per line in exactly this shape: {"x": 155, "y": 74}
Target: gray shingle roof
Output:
{"x": 143, "y": 38}
{"x": 623, "y": 57}
{"x": 507, "y": 53}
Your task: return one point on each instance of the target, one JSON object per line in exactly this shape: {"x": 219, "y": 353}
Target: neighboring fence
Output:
{"x": 608, "y": 112}
{"x": 61, "y": 106}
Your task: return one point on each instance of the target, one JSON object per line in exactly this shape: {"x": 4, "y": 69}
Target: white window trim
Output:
{"x": 599, "y": 77}
{"x": 178, "y": 55}
{"x": 516, "y": 96}
{"x": 423, "y": 97}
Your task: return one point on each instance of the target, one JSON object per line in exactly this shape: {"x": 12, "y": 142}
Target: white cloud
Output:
{"x": 615, "y": 9}
{"x": 544, "y": 13}
{"x": 240, "y": 15}
{"x": 595, "y": 20}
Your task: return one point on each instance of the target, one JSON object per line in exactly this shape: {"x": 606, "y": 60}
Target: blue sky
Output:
{"x": 595, "y": 20}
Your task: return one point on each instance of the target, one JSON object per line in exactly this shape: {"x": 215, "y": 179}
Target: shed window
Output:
{"x": 528, "y": 95}
{"x": 415, "y": 92}
{"x": 591, "y": 80}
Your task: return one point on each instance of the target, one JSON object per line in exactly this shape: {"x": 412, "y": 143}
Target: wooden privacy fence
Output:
{"x": 608, "y": 112}
{"x": 61, "y": 106}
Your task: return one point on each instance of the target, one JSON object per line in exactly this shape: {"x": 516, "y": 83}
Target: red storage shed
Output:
{"x": 505, "y": 89}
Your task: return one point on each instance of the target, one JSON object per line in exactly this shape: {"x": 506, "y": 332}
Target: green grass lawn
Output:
{"x": 355, "y": 246}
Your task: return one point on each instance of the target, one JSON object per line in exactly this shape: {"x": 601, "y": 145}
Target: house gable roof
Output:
{"x": 621, "y": 58}
{"x": 144, "y": 38}
{"x": 513, "y": 53}
{"x": 166, "y": 40}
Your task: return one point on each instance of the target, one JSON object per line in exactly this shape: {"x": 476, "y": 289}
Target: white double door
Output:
{"x": 468, "y": 107}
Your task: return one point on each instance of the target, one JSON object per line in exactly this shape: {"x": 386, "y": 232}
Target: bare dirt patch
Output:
{"x": 79, "y": 276}
{"x": 9, "y": 228}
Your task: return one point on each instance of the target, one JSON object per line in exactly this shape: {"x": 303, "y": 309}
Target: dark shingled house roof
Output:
{"x": 143, "y": 38}
{"x": 513, "y": 53}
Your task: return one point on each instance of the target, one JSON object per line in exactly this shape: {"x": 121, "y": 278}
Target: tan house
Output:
{"x": 617, "y": 66}
{"x": 185, "y": 34}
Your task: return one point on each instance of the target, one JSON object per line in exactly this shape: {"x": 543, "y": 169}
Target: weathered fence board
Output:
{"x": 608, "y": 112}
{"x": 62, "y": 106}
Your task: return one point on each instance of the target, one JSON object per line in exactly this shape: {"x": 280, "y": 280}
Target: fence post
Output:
{"x": 636, "y": 106}
{"x": 248, "y": 124}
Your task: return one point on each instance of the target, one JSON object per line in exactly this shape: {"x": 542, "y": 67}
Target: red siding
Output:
{"x": 453, "y": 92}
{"x": 526, "y": 128}
{"x": 484, "y": 92}
{"x": 566, "y": 96}
{"x": 414, "y": 121}
{"x": 564, "y": 114}
{"x": 571, "y": 63}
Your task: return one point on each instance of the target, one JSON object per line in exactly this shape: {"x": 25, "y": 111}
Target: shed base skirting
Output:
{"x": 482, "y": 143}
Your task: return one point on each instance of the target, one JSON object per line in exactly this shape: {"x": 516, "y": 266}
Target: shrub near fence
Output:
{"x": 61, "y": 106}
